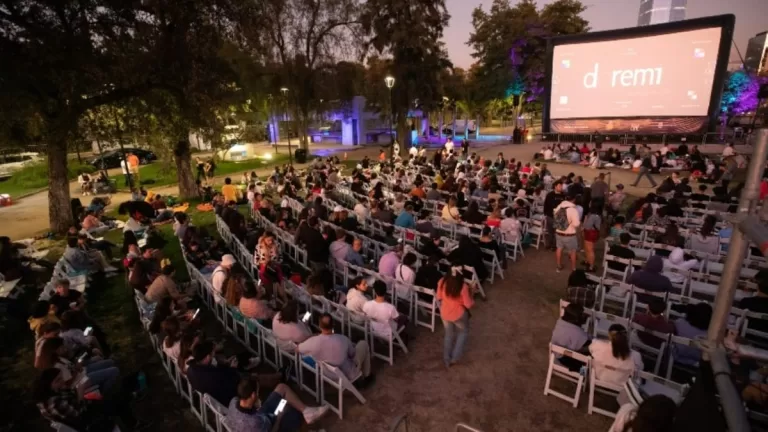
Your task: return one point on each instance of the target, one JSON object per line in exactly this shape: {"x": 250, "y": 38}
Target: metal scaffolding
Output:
{"x": 747, "y": 227}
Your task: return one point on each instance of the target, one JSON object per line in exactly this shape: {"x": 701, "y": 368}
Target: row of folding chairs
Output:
{"x": 261, "y": 342}
{"x": 586, "y": 380}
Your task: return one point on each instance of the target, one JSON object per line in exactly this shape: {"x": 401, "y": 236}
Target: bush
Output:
{"x": 35, "y": 176}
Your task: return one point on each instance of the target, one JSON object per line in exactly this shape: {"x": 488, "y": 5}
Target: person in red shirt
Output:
{"x": 654, "y": 319}
{"x": 584, "y": 149}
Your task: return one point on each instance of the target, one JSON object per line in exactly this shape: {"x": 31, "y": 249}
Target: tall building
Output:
{"x": 756, "y": 57}
{"x": 660, "y": 11}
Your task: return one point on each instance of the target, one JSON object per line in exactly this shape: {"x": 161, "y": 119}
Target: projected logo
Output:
{"x": 566, "y": 63}
{"x": 699, "y": 53}
{"x": 563, "y": 100}
{"x": 692, "y": 95}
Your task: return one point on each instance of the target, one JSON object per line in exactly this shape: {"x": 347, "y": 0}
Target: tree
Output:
{"x": 409, "y": 31}
{"x": 510, "y": 43}
{"x": 299, "y": 38}
{"x": 70, "y": 57}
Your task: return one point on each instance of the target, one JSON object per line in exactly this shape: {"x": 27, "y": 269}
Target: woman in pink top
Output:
{"x": 455, "y": 301}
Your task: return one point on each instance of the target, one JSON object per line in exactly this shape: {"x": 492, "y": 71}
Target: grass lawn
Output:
{"x": 112, "y": 307}
{"x": 33, "y": 178}
{"x": 161, "y": 174}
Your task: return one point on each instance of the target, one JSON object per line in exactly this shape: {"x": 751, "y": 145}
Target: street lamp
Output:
{"x": 390, "y": 82}
{"x": 284, "y": 91}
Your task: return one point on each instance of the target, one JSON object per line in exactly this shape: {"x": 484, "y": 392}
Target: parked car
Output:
{"x": 10, "y": 162}
{"x": 111, "y": 159}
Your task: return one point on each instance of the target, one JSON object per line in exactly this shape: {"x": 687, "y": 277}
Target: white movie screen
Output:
{"x": 651, "y": 76}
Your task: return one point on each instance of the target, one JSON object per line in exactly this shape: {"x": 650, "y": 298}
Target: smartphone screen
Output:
{"x": 307, "y": 316}
{"x": 280, "y": 406}
{"x": 88, "y": 331}
{"x": 196, "y": 312}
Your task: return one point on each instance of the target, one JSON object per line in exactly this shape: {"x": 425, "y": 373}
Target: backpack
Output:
{"x": 561, "y": 219}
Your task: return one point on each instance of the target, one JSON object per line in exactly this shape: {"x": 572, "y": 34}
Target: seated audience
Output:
{"x": 693, "y": 326}
{"x": 759, "y": 302}
{"x": 579, "y": 290}
{"x": 655, "y": 414}
{"x": 615, "y": 352}
{"x": 246, "y": 412}
{"x": 384, "y": 316}
{"x": 429, "y": 275}
{"x": 219, "y": 381}
{"x": 650, "y": 277}
{"x": 569, "y": 334}
{"x": 253, "y": 305}
{"x": 337, "y": 350}
{"x": 621, "y": 250}
{"x": 654, "y": 319}
{"x": 289, "y": 328}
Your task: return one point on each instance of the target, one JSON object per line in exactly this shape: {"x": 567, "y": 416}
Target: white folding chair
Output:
{"x": 425, "y": 300}
{"x": 616, "y": 292}
{"x": 758, "y": 337}
{"x": 219, "y": 412}
{"x": 609, "y": 273}
{"x": 674, "y": 342}
{"x": 391, "y": 339}
{"x": 271, "y": 355}
{"x": 309, "y": 368}
{"x": 604, "y": 387}
{"x": 560, "y": 371}
{"x": 334, "y": 377}
{"x": 655, "y": 353}
{"x": 603, "y": 321}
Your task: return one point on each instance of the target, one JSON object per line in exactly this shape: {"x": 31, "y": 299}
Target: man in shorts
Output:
{"x": 566, "y": 223}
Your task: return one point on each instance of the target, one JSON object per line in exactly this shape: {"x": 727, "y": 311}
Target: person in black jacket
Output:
{"x": 645, "y": 170}
{"x": 551, "y": 201}
{"x": 309, "y": 235}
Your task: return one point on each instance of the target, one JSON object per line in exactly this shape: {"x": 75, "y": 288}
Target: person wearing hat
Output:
{"x": 220, "y": 275}
{"x": 566, "y": 224}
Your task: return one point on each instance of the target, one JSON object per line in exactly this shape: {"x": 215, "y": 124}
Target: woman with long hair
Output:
{"x": 706, "y": 240}
{"x": 269, "y": 257}
{"x": 473, "y": 215}
{"x": 616, "y": 353}
{"x": 451, "y": 211}
{"x": 234, "y": 286}
{"x": 288, "y": 328}
{"x": 455, "y": 302}
{"x": 591, "y": 228}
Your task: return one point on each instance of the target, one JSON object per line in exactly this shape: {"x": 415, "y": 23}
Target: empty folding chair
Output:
{"x": 649, "y": 343}
{"x": 611, "y": 266}
{"x": 557, "y": 369}
{"x": 603, "y": 321}
{"x": 537, "y": 229}
{"x": 391, "y": 338}
{"x": 653, "y": 384}
{"x": 309, "y": 371}
{"x": 615, "y": 295}
{"x": 269, "y": 349}
{"x": 683, "y": 355}
{"x": 334, "y": 377}
{"x": 601, "y": 386}
{"x": 426, "y": 304}
{"x": 755, "y": 328}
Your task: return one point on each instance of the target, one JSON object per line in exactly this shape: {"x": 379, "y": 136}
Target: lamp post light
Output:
{"x": 390, "y": 82}
{"x": 284, "y": 91}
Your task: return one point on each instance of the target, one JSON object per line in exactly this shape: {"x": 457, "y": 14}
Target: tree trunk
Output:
{"x": 440, "y": 132}
{"x": 404, "y": 133}
{"x": 184, "y": 174}
{"x": 59, "y": 208}
{"x": 77, "y": 149}
{"x": 101, "y": 154}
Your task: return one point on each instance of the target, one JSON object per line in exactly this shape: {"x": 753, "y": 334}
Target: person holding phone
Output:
{"x": 282, "y": 411}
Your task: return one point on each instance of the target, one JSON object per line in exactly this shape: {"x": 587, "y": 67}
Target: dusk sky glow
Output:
{"x": 611, "y": 14}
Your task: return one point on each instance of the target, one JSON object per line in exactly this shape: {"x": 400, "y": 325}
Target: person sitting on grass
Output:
{"x": 58, "y": 402}
{"x": 230, "y": 191}
{"x": 42, "y": 313}
{"x": 78, "y": 375}
{"x": 93, "y": 225}
{"x": 75, "y": 339}
{"x": 79, "y": 259}
{"x": 247, "y": 413}
{"x": 165, "y": 286}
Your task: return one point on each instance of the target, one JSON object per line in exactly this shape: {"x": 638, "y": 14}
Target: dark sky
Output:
{"x": 751, "y": 18}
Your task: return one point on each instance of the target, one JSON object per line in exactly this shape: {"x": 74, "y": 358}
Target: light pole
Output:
{"x": 284, "y": 91}
{"x": 390, "y": 82}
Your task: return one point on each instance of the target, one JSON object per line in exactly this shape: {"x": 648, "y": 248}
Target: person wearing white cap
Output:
{"x": 521, "y": 193}
{"x": 220, "y": 274}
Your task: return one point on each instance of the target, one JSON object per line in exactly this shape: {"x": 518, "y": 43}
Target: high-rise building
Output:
{"x": 660, "y": 11}
{"x": 756, "y": 57}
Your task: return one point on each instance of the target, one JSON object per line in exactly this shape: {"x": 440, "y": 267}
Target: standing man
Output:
{"x": 645, "y": 170}
{"x": 126, "y": 171}
{"x": 133, "y": 165}
{"x": 552, "y": 200}
{"x": 599, "y": 191}
{"x": 566, "y": 224}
